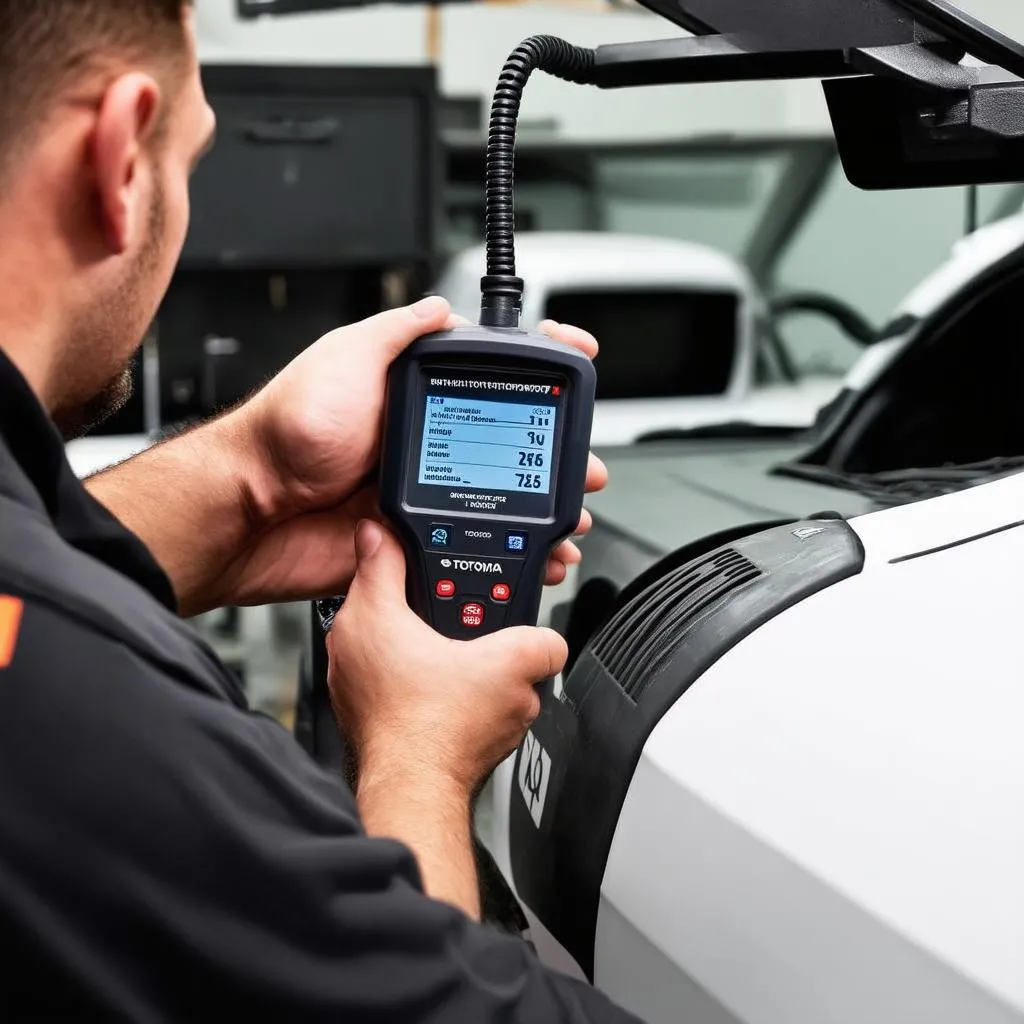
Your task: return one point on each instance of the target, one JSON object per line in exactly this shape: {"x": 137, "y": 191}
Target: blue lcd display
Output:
{"x": 501, "y": 446}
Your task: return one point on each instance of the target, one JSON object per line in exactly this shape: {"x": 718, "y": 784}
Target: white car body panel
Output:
{"x": 824, "y": 829}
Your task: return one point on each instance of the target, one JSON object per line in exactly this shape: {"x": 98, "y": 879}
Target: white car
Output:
{"x": 683, "y": 328}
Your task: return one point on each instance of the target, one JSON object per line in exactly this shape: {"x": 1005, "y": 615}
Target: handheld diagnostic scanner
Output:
{"x": 485, "y": 459}
{"x": 487, "y": 431}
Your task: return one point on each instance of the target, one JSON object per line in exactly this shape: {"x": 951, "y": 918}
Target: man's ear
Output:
{"x": 126, "y": 119}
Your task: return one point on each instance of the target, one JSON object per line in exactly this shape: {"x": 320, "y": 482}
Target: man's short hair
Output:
{"x": 46, "y": 44}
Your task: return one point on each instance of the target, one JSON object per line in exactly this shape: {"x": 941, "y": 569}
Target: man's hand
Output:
{"x": 261, "y": 505}
{"x": 319, "y": 425}
{"x": 428, "y": 717}
{"x": 415, "y": 701}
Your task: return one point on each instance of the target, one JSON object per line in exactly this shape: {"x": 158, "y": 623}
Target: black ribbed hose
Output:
{"x": 502, "y": 292}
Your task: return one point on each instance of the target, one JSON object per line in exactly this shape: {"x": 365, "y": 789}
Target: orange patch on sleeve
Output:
{"x": 10, "y": 624}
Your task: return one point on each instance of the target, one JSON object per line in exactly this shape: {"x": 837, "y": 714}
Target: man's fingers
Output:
{"x": 380, "y": 566}
{"x": 567, "y": 553}
{"x": 555, "y": 574}
{"x": 568, "y": 335}
{"x": 564, "y": 555}
{"x": 393, "y": 331}
{"x": 586, "y": 524}
{"x": 597, "y": 475}
{"x": 533, "y": 654}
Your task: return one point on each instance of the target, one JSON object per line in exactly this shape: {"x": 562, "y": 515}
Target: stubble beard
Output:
{"x": 88, "y": 406}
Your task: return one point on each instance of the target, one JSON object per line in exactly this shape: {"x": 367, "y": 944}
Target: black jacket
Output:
{"x": 167, "y": 855}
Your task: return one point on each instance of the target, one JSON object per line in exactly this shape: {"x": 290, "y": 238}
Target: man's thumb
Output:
{"x": 380, "y": 564}
{"x": 395, "y": 330}
{"x": 531, "y": 653}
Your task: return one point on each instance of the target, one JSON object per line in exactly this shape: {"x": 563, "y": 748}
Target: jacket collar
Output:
{"x": 35, "y": 473}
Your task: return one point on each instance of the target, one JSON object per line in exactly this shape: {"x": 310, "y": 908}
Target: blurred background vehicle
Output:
{"x": 686, "y": 338}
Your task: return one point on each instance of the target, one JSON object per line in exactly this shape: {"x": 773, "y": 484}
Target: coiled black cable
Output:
{"x": 502, "y": 291}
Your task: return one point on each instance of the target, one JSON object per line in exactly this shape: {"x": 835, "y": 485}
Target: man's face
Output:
{"x": 112, "y": 322}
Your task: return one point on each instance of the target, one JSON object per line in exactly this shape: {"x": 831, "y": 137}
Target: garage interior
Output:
{"x": 784, "y": 351}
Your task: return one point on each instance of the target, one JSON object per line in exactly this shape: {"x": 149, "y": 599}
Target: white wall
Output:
{"x": 372, "y": 35}
{"x": 1005, "y": 15}
{"x": 476, "y": 39}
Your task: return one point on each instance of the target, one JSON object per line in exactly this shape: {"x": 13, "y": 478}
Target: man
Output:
{"x": 165, "y": 854}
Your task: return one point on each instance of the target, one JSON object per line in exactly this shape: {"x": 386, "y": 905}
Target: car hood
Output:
{"x": 664, "y": 495}
{"x": 625, "y": 421}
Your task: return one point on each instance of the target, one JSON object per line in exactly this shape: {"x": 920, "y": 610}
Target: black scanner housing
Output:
{"x": 490, "y": 351}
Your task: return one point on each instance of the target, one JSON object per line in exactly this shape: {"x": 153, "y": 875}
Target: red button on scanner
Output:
{"x": 445, "y": 588}
{"x": 473, "y": 615}
{"x": 501, "y": 592}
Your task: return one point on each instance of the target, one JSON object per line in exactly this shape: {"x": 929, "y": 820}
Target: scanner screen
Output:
{"x": 490, "y": 445}
{"x": 487, "y": 442}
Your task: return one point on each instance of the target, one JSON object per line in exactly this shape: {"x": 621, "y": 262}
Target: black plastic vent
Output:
{"x": 694, "y": 609}
{"x": 636, "y": 644}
